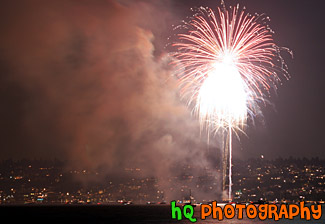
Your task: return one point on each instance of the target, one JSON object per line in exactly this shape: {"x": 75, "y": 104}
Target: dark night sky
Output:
{"x": 86, "y": 81}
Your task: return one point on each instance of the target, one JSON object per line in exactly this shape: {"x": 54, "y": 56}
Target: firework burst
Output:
{"x": 227, "y": 63}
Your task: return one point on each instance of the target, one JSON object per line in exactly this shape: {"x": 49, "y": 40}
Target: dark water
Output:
{"x": 113, "y": 214}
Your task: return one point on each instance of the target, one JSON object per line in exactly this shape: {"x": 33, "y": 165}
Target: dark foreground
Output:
{"x": 86, "y": 214}
{"x": 138, "y": 214}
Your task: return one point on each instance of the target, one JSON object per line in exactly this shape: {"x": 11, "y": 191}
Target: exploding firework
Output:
{"x": 227, "y": 63}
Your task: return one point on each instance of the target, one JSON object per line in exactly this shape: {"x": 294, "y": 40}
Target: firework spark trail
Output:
{"x": 230, "y": 163}
{"x": 226, "y": 62}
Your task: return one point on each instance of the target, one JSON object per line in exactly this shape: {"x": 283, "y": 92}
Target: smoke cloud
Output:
{"x": 90, "y": 82}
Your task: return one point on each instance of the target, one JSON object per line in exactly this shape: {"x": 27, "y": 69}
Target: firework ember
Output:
{"x": 227, "y": 62}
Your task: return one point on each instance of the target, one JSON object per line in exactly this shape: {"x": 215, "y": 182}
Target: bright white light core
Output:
{"x": 222, "y": 98}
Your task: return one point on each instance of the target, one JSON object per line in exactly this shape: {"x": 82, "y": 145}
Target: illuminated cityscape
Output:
{"x": 49, "y": 182}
